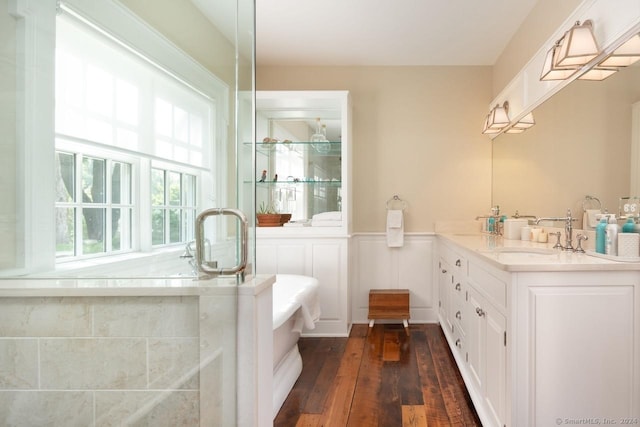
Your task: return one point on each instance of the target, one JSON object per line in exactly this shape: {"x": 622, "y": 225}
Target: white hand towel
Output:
{"x": 395, "y": 229}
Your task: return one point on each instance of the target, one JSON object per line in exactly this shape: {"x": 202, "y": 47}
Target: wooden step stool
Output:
{"x": 389, "y": 304}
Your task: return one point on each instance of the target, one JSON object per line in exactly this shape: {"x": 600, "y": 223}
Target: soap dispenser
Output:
{"x": 600, "y": 235}
{"x": 629, "y": 226}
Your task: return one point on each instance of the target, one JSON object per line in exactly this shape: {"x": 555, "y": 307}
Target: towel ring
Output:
{"x": 394, "y": 199}
{"x": 589, "y": 200}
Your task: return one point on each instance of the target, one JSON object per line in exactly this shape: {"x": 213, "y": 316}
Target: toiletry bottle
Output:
{"x": 600, "y": 237}
{"x": 491, "y": 224}
{"x": 543, "y": 237}
{"x": 611, "y": 237}
{"x": 629, "y": 226}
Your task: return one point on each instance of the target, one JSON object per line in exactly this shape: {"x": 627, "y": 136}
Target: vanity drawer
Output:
{"x": 494, "y": 288}
{"x": 457, "y": 262}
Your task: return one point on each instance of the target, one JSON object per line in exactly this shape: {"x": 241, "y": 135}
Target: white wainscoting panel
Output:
{"x": 376, "y": 266}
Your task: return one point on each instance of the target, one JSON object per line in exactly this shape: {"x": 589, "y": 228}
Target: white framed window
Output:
{"x": 119, "y": 112}
{"x": 94, "y": 205}
{"x": 105, "y": 113}
{"x": 173, "y": 206}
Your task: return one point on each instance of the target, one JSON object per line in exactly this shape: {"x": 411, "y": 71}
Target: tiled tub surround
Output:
{"x": 76, "y": 353}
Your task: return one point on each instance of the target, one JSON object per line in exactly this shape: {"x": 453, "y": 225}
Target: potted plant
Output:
{"x": 267, "y": 216}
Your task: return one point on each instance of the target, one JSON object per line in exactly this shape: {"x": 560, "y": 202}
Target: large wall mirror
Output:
{"x": 580, "y": 146}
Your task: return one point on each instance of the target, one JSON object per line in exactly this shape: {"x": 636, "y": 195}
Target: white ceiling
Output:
{"x": 376, "y": 32}
{"x": 385, "y": 32}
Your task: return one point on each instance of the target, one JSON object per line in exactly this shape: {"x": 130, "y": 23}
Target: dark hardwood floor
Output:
{"x": 378, "y": 377}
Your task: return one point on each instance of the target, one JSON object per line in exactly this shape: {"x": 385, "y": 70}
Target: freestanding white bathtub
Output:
{"x": 295, "y": 306}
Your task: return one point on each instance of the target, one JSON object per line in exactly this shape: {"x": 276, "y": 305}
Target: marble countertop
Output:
{"x": 525, "y": 256}
{"x": 68, "y": 287}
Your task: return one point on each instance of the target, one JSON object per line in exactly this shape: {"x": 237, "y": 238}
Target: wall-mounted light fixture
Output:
{"x": 579, "y": 46}
{"x": 575, "y": 49}
{"x": 625, "y": 55}
{"x": 497, "y": 119}
{"x": 598, "y": 73}
{"x": 550, "y": 71}
{"x": 501, "y": 115}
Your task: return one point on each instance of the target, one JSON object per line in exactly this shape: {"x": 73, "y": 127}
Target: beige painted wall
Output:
{"x": 416, "y": 133}
{"x": 579, "y": 146}
{"x": 545, "y": 17}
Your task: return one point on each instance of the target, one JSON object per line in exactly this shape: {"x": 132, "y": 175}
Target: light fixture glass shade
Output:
{"x": 598, "y": 73}
{"x": 514, "y": 130}
{"x": 625, "y": 55}
{"x": 525, "y": 123}
{"x": 498, "y": 118}
{"x": 486, "y": 130}
{"x": 579, "y": 46}
{"x": 550, "y": 71}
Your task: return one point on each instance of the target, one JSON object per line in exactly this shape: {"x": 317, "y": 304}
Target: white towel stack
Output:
{"x": 327, "y": 219}
{"x": 395, "y": 229}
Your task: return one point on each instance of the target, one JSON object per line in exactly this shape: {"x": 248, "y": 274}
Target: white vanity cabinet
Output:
{"x": 472, "y": 315}
{"x": 577, "y": 341}
{"x": 486, "y": 353}
{"x": 544, "y": 344}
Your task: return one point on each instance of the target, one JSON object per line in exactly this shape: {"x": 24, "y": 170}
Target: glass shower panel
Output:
{"x": 99, "y": 296}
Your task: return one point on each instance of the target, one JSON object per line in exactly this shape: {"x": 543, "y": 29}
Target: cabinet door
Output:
{"x": 475, "y": 326}
{"x": 445, "y": 279}
{"x": 495, "y": 379}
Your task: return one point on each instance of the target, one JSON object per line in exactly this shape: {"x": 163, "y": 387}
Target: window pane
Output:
{"x": 174, "y": 226}
{"x": 157, "y": 187}
{"x": 195, "y": 135}
{"x": 189, "y": 224}
{"x": 163, "y": 118}
{"x": 181, "y": 125}
{"x": 174, "y": 188}
{"x": 99, "y": 91}
{"x": 120, "y": 229}
{"x": 188, "y": 190}
{"x": 157, "y": 226}
{"x": 120, "y": 183}
{"x": 65, "y": 185}
{"x": 93, "y": 227}
{"x": 65, "y": 232}
{"x": 126, "y": 102}
{"x": 93, "y": 180}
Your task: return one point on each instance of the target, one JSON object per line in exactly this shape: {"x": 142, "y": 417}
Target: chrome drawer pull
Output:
{"x": 480, "y": 312}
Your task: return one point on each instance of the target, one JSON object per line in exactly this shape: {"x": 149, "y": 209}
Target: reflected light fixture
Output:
{"x": 526, "y": 122}
{"x": 487, "y": 130}
{"x": 498, "y": 118}
{"x": 579, "y": 46}
{"x": 550, "y": 71}
{"x": 625, "y": 55}
{"x": 598, "y": 73}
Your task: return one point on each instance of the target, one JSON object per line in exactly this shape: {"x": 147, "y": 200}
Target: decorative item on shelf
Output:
{"x": 319, "y": 139}
{"x": 263, "y": 177}
{"x": 268, "y": 217}
{"x": 275, "y": 178}
{"x": 284, "y": 218}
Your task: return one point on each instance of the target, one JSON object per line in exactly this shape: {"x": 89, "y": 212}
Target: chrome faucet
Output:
{"x": 494, "y": 227}
{"x": 568, "y": 228}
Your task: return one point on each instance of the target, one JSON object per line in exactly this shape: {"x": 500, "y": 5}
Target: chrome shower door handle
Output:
{"x": 200, "y": 241}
